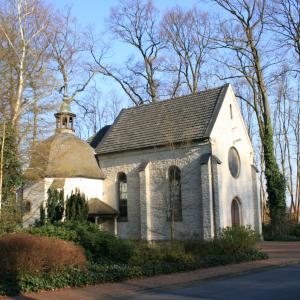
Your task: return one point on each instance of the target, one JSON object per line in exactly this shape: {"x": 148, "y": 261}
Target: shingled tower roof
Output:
{"x": 186, "y": 118}
{"x": 63, "y": 155}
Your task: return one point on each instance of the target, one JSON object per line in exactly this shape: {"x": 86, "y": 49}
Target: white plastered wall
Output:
{"x": 231, "y": 132}
{"x": 92, "y": 188}
{"x": 36, "y": 193}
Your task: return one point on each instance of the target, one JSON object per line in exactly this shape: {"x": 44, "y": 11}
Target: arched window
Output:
{"x": 235, "y": 212}
{"x": 122, "y": 194}
{"x": 27, "y": 207}
{"x": 175, "y": 207}
{"x": 65, "y": 122}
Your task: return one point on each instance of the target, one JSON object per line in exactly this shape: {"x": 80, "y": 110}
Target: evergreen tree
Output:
{"x": 55, "y": 205}
{"x": 12, "y": 172}
{"x": 276, "y": 183}
{"x": 77, "y": 207}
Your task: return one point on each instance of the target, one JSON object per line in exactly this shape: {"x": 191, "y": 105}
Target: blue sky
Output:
{"x": 94, "y": 12}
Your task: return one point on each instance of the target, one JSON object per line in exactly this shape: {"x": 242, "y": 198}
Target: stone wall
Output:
{"x": 35, "y": 195}
{"x": 148, "y": 190}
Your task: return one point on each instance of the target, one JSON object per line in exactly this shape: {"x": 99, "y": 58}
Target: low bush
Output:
{"x": 54, "y": 231}
{"x": 163, "y": 252}
{"x": 236, "y": 240}
{"x": 28, "y": 254}
{"x": 288, "y": 231}
{"x": 99, "y": 246}
{"x": 102, "y": 246}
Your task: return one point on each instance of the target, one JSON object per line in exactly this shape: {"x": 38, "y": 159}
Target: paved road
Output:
{"x": 278, "y": 283}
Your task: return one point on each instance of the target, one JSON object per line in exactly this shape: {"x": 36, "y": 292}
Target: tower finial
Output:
{"x": 65, "y": 119}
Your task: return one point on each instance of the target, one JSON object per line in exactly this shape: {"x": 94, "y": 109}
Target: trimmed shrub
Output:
{"x": 28, "y": 254}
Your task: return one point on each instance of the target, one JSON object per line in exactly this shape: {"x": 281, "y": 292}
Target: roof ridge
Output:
{"x": 175, "y": 98}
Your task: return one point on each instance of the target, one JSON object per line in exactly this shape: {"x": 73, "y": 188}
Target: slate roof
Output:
{"x": 181, "y": 119}
{"x": 96, "y": 139}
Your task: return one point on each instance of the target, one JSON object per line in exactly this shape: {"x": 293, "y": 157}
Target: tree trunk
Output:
{"x": 1, "y": 163}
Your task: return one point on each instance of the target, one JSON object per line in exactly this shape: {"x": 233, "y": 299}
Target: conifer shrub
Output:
{"x": 77, "y": 207}
{"x": 55, "y": 206}
{"x": 28, "y": 254}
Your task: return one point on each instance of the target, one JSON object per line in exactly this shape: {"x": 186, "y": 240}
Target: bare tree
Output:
{"x": 188, "y": 34}
{"x": 68, "y": 47}
{"x": 22, "y": 24}
{"x": 1, "y": 161}
{"x": 283, "y": 118}
{"x": 243, "y": 35}
{"x": 97, "y": 110}
{"x": 284, "y": 18}
{"x": 134, "y": 23}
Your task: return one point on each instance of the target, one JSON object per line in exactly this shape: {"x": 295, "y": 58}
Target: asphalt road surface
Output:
{"x": 277, "y": 283}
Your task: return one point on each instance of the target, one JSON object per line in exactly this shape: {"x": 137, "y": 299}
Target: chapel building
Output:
{"x": 180, "y": 168}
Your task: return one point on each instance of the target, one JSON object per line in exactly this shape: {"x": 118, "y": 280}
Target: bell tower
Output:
{"x": 65, "y": 119}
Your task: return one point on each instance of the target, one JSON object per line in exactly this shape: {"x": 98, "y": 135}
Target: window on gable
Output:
{"x": 174, "y": 203}
{"x": 231, "y": 114}
{"x": 122, "y": 194}
{"x": 234, "y": 162}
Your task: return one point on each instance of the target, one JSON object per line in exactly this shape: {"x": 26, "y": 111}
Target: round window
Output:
{"x": 234, "y": 162}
